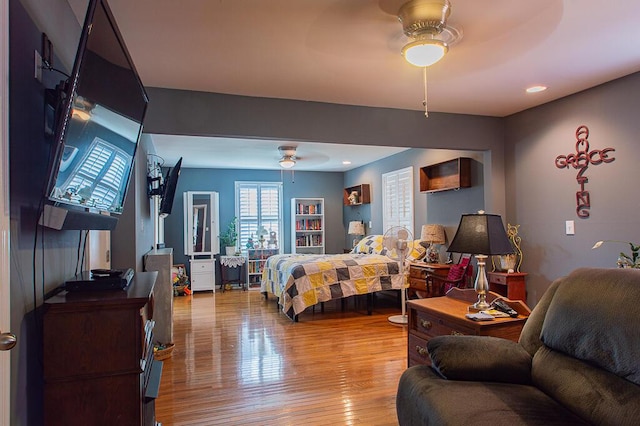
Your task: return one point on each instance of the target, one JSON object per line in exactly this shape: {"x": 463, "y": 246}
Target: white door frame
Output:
{"x": 5, "y": 315}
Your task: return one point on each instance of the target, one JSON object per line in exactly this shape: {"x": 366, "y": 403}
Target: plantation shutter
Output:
{"x": 258, "y": 205}
{"x": 397, "y": 199}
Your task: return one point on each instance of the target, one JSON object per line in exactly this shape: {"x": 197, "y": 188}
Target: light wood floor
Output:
{"x": 238, "y": 361}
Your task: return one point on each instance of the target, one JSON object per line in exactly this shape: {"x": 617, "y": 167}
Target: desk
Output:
{"x": 227, "y": 277}
{"x": 438, "y": 316}
{"x": 418, "y": 274}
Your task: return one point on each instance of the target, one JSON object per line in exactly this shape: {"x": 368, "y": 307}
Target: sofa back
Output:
{"x": 589, "y": 342}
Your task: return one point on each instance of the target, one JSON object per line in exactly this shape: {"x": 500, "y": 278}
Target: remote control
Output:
{"x": 502, "y": 306}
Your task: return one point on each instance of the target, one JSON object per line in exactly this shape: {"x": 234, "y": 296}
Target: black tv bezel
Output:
{"x": 67, "y": 90}
{"x": 169, "y": 190}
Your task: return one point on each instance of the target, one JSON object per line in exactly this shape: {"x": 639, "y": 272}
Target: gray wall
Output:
{"x": 541, "y": 197}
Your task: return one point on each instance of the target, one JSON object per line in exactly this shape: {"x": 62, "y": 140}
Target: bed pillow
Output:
{"x": 371, "y": 244}
{"x": 417, "y": 251}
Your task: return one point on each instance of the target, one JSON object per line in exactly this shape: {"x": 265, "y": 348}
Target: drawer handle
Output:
{"x": 426, "y": 324}
{"x": 422, "y": 351}
{"x": 456, "y": 333}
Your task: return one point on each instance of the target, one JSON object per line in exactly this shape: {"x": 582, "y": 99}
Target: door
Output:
{"x": 5, "y": 361}
{"x": 99, "y": 253}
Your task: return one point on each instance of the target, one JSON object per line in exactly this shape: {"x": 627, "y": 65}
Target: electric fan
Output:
{"x": 397, "y": 240}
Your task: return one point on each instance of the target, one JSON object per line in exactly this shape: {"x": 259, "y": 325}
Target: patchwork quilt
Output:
{"x": 303, "y": 280}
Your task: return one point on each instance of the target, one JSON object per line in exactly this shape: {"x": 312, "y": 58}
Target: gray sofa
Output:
{"x": 577, "y": 362}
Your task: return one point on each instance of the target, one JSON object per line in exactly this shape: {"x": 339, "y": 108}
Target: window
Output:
{"x": 397, "y": 199}
{"x": 258, "y": 206}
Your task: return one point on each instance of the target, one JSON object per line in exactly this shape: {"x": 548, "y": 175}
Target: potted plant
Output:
{"x": 229, "y": 238}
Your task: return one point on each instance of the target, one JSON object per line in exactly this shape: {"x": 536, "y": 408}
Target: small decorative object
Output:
{"x": 273, "y": 239}
{"x": 353, "y": 197}
{"x": 229, "y": 238}
{"x": 511, "y": 262}
{"x": 624, "y": 260}
{"x": 261, "y": 233}
{"x": 249, "y": 244}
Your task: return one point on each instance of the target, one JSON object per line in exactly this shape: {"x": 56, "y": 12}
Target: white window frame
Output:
{"x": 243, "y": 232}
{"x": 397, "y": 199}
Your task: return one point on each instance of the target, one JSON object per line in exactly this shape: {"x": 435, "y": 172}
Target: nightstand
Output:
{"x": 418, "y": 274}
{"x": 511, "y": 285}
{"x": 438, "y": 316}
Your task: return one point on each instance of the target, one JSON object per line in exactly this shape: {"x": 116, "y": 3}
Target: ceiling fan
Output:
{"x": 424, "y": 22}
{"x": 287, "y": 156}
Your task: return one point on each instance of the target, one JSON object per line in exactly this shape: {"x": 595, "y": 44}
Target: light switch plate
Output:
{"x": 569, "y": 227}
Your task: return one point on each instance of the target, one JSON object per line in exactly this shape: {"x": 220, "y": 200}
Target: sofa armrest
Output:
{"x": 480, "y": 358}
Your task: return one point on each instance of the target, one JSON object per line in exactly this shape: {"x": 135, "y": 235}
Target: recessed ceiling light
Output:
{"x": 536, "y": 89}
{"x": 346, "y": 162}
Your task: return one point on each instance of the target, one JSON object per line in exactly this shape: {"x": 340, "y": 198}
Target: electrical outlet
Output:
{"x": 38, "y": 66}
{"x": 569, "y": 227}
{"x": 370, "y": 224}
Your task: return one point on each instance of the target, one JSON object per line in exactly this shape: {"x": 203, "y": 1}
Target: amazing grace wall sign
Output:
{"x": 581, "y": 161}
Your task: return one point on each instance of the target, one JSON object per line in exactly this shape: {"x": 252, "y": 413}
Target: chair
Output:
{"x": 460, "y": 275}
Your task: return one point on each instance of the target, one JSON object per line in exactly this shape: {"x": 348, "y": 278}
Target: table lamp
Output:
{"x": 482, "y": 235}
{"x": 356, "y": 228}
{"x": 430, "y": 237}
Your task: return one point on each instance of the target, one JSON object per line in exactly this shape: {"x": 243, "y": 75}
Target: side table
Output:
{"x": 227, "y": 277}
{"x": 418, "y": 275}
{"x": 511, "y": 284}
{"x": 439, "y": 316}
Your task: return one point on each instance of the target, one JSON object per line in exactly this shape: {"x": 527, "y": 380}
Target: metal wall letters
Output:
{"x": 581, "y": 160}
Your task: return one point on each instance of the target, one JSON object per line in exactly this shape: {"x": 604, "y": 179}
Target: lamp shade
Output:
{"x": 433, "y": 234}
{"x": 356, "y": 228}
{"x": 481, "y": 234}
{"x": 287, "y": 162}
{"x": 424, "y": 53}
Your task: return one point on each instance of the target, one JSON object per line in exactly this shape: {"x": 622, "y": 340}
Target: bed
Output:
{"x": 303, "y": 280}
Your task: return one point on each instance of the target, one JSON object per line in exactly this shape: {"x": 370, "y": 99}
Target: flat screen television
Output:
{"x": 169, "y": 189}
{"x": 98, "y": 122}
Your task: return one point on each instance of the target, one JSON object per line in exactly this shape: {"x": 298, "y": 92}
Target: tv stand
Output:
{"x": 98, "y": 362}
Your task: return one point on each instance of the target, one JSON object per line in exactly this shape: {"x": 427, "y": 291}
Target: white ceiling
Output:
{"x": 348, "y": 51}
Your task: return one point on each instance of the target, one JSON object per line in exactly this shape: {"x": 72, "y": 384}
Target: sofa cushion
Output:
{"x": 480, "y": 358}
{"x": 589, "y": 319}
{"x": 590, "y": 392}
{"x": 424, "y": 398}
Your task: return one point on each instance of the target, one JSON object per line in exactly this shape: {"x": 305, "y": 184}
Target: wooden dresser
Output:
{"x": 98, "y": 362}
{"x": 439, "y": 316}
{"x": 418, "y": 274}
{"x": 511, "y": 284}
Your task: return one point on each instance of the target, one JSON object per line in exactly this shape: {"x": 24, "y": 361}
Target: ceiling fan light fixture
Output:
{"x": 425, "y": 52}
{"x": 287, "y": 162}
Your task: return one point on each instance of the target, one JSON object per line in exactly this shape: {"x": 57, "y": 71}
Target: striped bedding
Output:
{"x": 303, "y": 280}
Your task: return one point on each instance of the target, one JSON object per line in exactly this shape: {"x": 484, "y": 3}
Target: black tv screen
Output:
{"x": 99, "y": 122}
{"x": 169, "y": 189}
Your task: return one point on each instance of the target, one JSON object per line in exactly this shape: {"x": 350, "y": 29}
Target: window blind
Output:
{"x": 258, "y": 206}
{"x": 397, "y": 199}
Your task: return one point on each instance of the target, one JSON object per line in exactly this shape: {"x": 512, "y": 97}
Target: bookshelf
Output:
{"x": 307, "y": 222}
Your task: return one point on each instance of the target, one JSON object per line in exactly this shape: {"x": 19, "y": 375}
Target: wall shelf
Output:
{"x": 452, "y": 174}
{"x": 364, "y": 194}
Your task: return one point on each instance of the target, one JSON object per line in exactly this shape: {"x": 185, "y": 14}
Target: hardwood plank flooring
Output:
{"x": 239, "y": 361}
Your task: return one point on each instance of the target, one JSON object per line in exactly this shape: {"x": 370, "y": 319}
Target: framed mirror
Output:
{"x": 199, "y": 227}
{"x": 201, "y": 223}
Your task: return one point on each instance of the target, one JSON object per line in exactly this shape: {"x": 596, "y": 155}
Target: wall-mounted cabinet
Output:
{"x": 307, "y": 217}
{"x": 356, "y": 195}
{"x": 452, "y": 174}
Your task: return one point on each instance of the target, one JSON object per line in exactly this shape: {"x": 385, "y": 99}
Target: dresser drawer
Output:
{"x": 418, "y": 284}
{"x": 431, "y": 325}
{"x": 417, "y": 351}
{"x": 418, "y": 273}
{"x": 201, "y": 267}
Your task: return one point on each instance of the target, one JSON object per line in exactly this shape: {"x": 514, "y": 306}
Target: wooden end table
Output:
{"x": 444, "y": 315}
{"x": 418, "y": 275}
